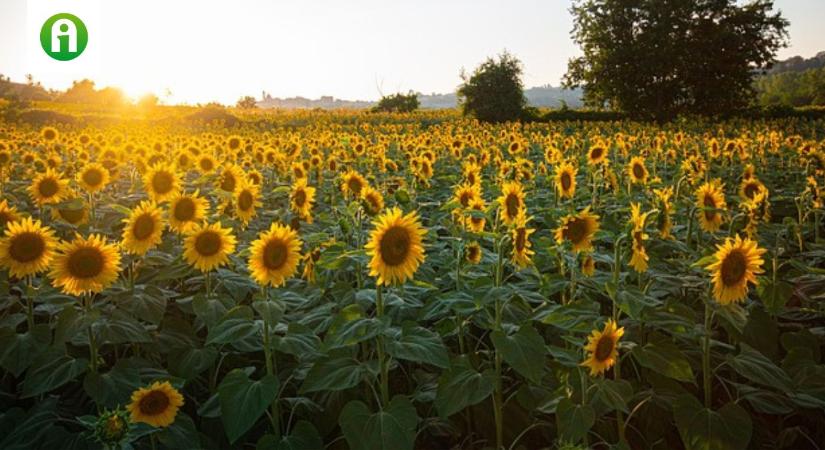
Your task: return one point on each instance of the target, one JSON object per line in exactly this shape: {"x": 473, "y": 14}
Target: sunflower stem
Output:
{"x": 498, "y": 397}
{"x": 706, "y": 375}
{"x": 30, "y": 302}
{"x": 92, "y": 343}
{"x": 271, "y": 370}
{"x": 383, "y": 361}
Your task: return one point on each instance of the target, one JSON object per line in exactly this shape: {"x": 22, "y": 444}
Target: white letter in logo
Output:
{"x": 64, "y": 27}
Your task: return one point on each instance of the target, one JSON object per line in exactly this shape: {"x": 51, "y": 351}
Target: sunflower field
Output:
{"x": 367, "y": 281}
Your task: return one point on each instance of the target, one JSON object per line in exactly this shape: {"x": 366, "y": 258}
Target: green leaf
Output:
{"x": 334, "y": 374}
{"x": 303, "y": 436}
{"x": 665, "y": 358}
{"x": 50, "y": 371}
{"x": 17, "y": 351}
{"x": 298, "y": 341}
{"x": 114, "y": 387}
{"x": 191, "y": 362}
{"x": 243, "y": 401}
{"x": 703, "y": 429}
{"x": 393, "y": 428}
{"x": 461, "y": 386}
{"x": 756, "y": 367}
{"x": 236, "y": 325}
{"x": 417, "y": 344}
{"x": 574, "y": 421}
{"x": 774, "y": 295}
{"x": 613, "y": 393}
{"x": 270, "y": 311}
{"x": 524, "y": 351}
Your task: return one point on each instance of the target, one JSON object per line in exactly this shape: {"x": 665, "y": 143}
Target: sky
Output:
{"x": 196, "y": 51}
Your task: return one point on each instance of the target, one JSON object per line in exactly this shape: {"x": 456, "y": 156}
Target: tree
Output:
{"x": 661, "y": 58}
{"x": 148, "y": 101}
{"x": 494, "y": 92}
{"x": 398, "y": 103}
{"x": 247, "y": 102}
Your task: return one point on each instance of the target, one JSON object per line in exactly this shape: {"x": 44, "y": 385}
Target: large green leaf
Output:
{"x": 461, "y": 386}
{"x": 703, "y": 429}
{"x": 333, "y": 374}
{"x": 756, "y": 367}
{"x": 114, "y": 387}
{"x": 574, "y": 421}
{"x": 665, "y": 358}
{"x": 392, "y": 428}
{"x": 417, "y": 344}
{"x": 50, "y": 371}
{"x": 17, "y": 351}
{"x": 524, "y": 351}
{"x": 303, "y": 436}
{"x": 243, "y": 401}
{"x": 237, "y": 324}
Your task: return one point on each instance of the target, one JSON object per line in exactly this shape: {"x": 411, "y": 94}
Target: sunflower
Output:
{"x": 93, "y": 177}
{"x": 520, "y": 235}
{"x": 738, "y": 261}
{"x": 274, "y": 257}
{"x": 602, "y": 348}
{"x": 301, "y": 199}
{"x": 73, "y": 215}
{"x": 27, "y": 248}
{"x": 372, "y": 200}
{"x": 637, "y": 171}
{"x": 579, "y": 230}
{"x": 49, "y": 134}
{"x": 597, "y": 154}
{"x": 206, "y": 164}
{"x": 48, "y": 188}
{"x": 8, "y": 214}
{"x": 750, "y": 188}
{"x": 352, "y": 183}
{"x": 85, "y": 265}
{"x": 247, "y": 200}
{"x": 588, "y": 266}
{"x": 664, "y": 221}
{"x": 186, "y": 211}
{"x": 144, "y": 228}
{"x": 473, "y": 253}
{"x": 709, "y": 199}
{"x": 161, "y": 182}
{"x": 156, "y": 405}
{"x": 466, "y": 193}
{"x": 395, "y": 246}
{"x": 511, "y": 202}
{"x": 639, "y": 258}
{"x": 566, "y": 179}
{"x": 231, "y": 179}
{"x": 208, "y": 246}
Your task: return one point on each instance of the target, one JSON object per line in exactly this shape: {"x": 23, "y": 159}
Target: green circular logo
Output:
{"x": 64, "y": 37}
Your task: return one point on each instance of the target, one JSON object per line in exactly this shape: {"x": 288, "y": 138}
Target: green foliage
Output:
{"x": 494, "y": 92}
{"x": 247, "y": 102}
{"x": 398, "y": 102}
{"x": 662, "y": 59}
{"x": 792, "y": 88}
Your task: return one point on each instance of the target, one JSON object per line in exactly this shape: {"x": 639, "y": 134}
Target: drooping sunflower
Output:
{"x": 737, "y": 263}
{"x": 302, "y": 199}
{"x": 466, "y": 193}
{"x": 588, "y": 266}
{"x": 709, "y": 199}
{"x": 77, "y": 213}
{"x": 27, "y": 248}
{"x": 603, "y": 348}
{"x": 637, "y": 171}
{"x": 750, "y": 188}
{"x": 143, "y": 228}
{"x": 8, "y": 214}
{"x": 395, "y": 247}
{"x": 352, "y": 183}
{"x": 274, "y": 257}
{"x": 207, "y": 247}
{"x": 372, "y": 200}
{"x": 93, "y": 177}
{"x": 597, "y": 154}
{"x": 473, "y": 253}
{"x": 247, "y": 200}
{"x": 231, "y": 179}
{"x": 579, "y": 230}
{"x": 566, "y": 179}
{"x": 520, "y": 234}
{"x": 48, "y": 188}
{"x": 156, "y": 405}
{"x": 511, "y": 202}
{"x": 161, "y": 182}
{"x": 475, "y": 220}
{"x": 664, "y": 222}
{"x": 186, "y": 211}
{"x": 85, "y": 265}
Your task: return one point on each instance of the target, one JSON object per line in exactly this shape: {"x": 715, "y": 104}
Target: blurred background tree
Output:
{"x": 398, "y": 103}
{"x": 494, "y": 92}
{"x": 247, "y": 102}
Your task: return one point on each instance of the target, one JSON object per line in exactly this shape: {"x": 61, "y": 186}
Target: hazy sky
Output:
{"x": 203, "y": 50}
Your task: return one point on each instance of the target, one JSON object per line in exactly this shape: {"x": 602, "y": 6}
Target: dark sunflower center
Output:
{"x": 465, "y": 199}
{"x": 184, "y": 210}
{"x": 92, "y": 177}
{"x": 565, "y": 181}
{"x": 154, "y": 403}
{"x": 709, "y": 202}
{"x": 48, "y": 187}
{"x": 512, "y": 204}
{"x": 300, "y": 197}
{"x": 206, "y": 164}
{"x": 4, "y": 219}
{"x": 86, "y": 262}
{"x": 354, "y": 185}
{"x": 751, "y": 189}
{"x": 521, "y": 239}
{"x": 275, "y": 254}
{"x": 473, "y": 253}
{"x": 26, "y": 247}
{"x": 144, "y": 226}
{"x": 733, "y": 268}
{"x": 638, "y": 171}
{"x": 208, "y": 243}
{"x": 603, "y": 348}
{"x": 71, "y": 215}
{"x": 596, "y": 153}
{"x": 395, "y": 246}
{"x": 245, "y": 200}
{"x": 163, "y": 182}
{"x": 228, "y": 182}
{"x": 576, "y": 230}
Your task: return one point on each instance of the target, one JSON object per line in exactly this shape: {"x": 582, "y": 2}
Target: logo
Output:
{"x": 64, "y": 37}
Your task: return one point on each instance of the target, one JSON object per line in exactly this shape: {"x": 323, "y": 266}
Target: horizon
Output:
{"x": 257, "y": 40}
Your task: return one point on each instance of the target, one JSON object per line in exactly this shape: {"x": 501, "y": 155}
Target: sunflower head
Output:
{"x": 566, "y": 180}
{"x": 637, "y": 171}
{"x": 48, "y": 188}
{"x": 302, "y": 198}
{"x": 156, "y": 405}
{"x": 247, "y": 200}
{"x": 8, "y": 214}
{"x": 709, "y": 200}
{"x": 372, "y": 200}
{"x": 520, "y": 235}
{"x": 352, "y": 184}
{"x": 93, "y": 177}
{"x": 143, "y": 228}
{"x": 737, "y": 262}
{"x": 578, "y": 229}
{"x": 85, "y": 265}
{"x": 395, "y": 246}
{"x": 473, "y": 253}
{"x": 602, "y": 348}
{"x": 161, "y": 182}
{"x": 511, "y": 202}
{"x": 207, "y": 247}
{"x": 27, "y": 247}
{"x": 275, "y": 255}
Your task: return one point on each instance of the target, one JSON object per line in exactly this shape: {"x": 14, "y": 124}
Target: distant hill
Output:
{"x": 23, "y": 91}
{"x": 542, "y": 96}
{"x": 798, "y": 64}
{"x": 795, "y": 81}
